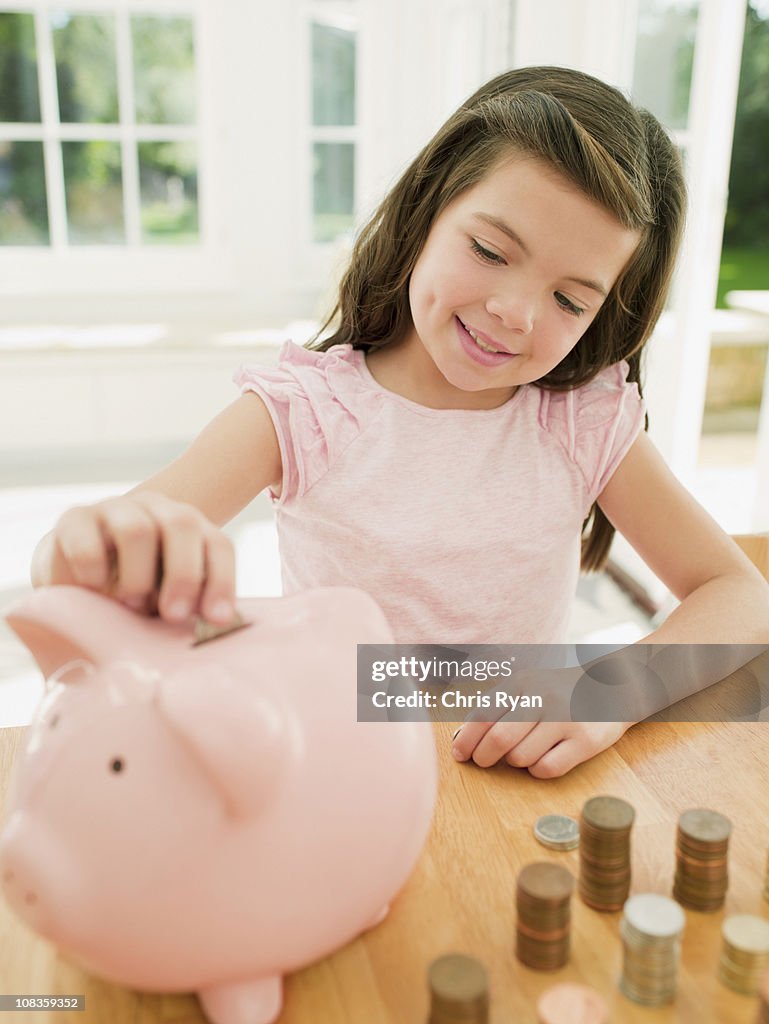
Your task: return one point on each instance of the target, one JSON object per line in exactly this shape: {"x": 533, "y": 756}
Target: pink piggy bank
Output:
{"x": 209, "y": 817}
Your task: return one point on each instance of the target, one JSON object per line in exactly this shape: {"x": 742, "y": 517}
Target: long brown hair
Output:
{"x": 618, "y": 155}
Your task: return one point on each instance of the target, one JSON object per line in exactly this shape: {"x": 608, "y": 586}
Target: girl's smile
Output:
{"x": 512, "y": 274}
{"x": 481, "y": 347}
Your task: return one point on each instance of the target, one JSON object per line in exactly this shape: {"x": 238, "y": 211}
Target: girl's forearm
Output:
{"x": 720, "y": 628}
{"x": 729, "y": 609}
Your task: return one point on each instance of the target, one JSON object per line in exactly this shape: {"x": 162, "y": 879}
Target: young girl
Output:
{"x": 473, "y": 426}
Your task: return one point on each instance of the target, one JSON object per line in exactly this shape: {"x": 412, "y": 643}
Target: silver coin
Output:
{"x": 654, "y": 916}
{"x": 748, "y": 933}
{"x": 557, "y": 831}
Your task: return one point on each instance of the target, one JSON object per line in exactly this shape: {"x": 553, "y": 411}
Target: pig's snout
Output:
{"x": 34, "y": 875}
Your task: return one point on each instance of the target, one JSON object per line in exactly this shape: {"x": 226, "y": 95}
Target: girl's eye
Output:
{"x": 568, "y": 305}
{"x": 485, "y": 254}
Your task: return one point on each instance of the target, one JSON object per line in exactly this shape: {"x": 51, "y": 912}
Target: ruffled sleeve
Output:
{"x": 317, "y": 403}
{"x": 596, "y": 424}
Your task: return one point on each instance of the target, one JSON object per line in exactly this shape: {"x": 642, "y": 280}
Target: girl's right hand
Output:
{"x": 155, "y": 555}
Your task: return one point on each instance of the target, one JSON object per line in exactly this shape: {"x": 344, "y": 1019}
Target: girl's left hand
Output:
{"x": 547, "y": 749}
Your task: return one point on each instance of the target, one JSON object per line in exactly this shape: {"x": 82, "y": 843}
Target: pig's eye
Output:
{"x": 54, "y": 721}
{"x": 117, "y": 764}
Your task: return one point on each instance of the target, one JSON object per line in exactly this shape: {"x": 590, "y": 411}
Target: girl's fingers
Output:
{"x": 133, "y": 536}
{"x": 218, "y": 601}
{"x": 184, "y": 565}
{"x": 198, "y": 564}
{"x": 80, "y": 552}
{"x": 535, "y": 744}
{"x": 558, "y": 760}
{"x": 499, "y": 739}
{"x": 582, "y": 741}
{"x": 123, "y": 545}
{"x": 467, "y": 737}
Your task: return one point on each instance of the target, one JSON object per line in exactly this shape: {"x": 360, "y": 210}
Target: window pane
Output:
{"x": 93, "y": 183}
{"x": 333, "y": 75}
{"x": 664, "y": 58}
{"x": 168, "y": 179}
{"x": 86, "y": 74}
{"x": 164, "y": 70}
{"x": 333, "y": 189}
{"x": 23, "y": 206}
{"x": 19, "y": 98}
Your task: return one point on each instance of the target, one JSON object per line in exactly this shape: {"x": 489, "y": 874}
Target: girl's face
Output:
{"x": 512, "y": 274}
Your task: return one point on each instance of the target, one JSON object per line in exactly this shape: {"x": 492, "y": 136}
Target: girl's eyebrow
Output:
{"x": 500, "y": 225}
{"x": 496, "y": 222}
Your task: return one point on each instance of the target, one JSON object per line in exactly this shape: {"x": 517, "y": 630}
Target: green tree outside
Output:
{"x": 745, "y": 255}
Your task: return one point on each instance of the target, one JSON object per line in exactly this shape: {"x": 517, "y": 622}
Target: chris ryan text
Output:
{"x": 455, "y": 699}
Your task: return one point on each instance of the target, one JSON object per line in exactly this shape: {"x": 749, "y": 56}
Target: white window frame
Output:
{"x": 318, "y": 261}
{"x": 679, "y": 354}
{"x": 256, "y": 257}
{"x": 345, "y": 14}
{"x": 62, "y": 269}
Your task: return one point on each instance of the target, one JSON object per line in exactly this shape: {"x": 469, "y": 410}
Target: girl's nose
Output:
{"x": 516, "y": 313}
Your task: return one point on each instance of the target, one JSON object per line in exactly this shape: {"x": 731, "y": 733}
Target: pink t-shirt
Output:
{"x": 463, "y": 524}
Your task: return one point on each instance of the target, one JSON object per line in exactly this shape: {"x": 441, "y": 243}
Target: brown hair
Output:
{"x": 618, "y": 155}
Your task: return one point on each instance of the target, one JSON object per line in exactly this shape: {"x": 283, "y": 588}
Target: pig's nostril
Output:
{"x": 30, "y": 899}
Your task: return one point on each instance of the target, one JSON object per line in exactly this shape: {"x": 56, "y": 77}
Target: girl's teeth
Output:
{"x": 481, "y": 344}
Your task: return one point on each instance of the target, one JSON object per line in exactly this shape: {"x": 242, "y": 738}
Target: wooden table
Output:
{"x": 460, "y": 898}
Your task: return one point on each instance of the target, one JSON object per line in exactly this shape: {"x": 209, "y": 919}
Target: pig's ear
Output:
{"x": 52, "y": 624}
{"x": 62, "y": 623}
{"x": 237, "y": 734}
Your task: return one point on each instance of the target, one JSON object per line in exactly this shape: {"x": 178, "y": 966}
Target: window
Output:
{"x": 98, "y": 128}
{"x": 334, "y": 118}
{"x": 666, "y": 32}
{"x": 664, "y": 59}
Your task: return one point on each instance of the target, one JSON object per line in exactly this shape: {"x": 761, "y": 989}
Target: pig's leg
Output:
{"x": 251, "y": 1002}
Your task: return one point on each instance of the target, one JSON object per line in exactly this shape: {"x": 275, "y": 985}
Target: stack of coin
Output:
{"x": 745, "y": 953}
{"x": 544, "y": 916}
{"x": 459, "y": 991}
{"x": 569, "y": 1003}
{"x": 650, "y": 929}
{"x": 604, "y": 861}
{"x": 557, "y": 832}
{"x": 701, "y": 875}
{"x": 763, "y": 995}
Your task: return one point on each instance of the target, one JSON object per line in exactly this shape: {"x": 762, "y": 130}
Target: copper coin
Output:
{"x": 608, "y": 812}
{"x": 458, "y": 985}
{"x": 554, "y": 935}
{"x": 705, "y": 826}
{"x": 572, "y": 1004}
{"x": 701, "y": 863}
{"x": 546, "y": 881}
